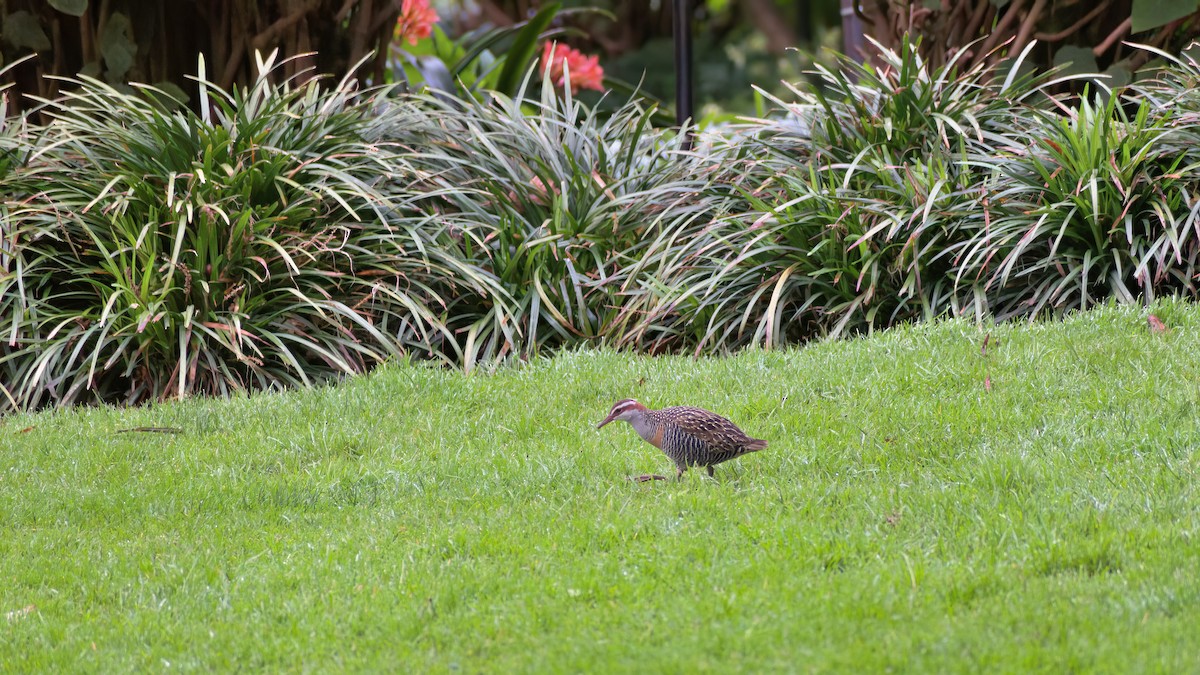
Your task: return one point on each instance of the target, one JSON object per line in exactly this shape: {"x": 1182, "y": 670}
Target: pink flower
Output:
{"x": 415, "y": 22}
{"x": 585, "y": 71}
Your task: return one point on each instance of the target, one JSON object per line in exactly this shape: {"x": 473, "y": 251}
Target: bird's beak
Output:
{"x": 608, "y": 419}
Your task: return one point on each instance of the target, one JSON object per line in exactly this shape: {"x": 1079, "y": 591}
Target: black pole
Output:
{"x": 683, "y": 68}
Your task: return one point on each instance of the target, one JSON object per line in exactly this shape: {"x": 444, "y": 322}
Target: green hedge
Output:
{"x": 290, "y": 233}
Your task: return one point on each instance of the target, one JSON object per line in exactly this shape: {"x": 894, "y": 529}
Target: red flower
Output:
{"x": 585, "y": 71}
{"x": 415, "y": 22}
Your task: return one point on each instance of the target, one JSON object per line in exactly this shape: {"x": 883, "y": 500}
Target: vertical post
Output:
{"x": 683, "y": 67}
{"x": 852, "y": 31}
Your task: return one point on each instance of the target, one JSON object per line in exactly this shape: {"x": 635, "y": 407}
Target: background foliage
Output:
{"x": 739, "y": 44}
{"x": 1091, "y": 37}
{"x": 158, "y": 42}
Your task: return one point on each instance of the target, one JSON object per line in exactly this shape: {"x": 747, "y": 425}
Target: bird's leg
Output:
{"x": 710, "y": 471}
{"x": 679, "y": 472}
{"x": 646, "y": 477}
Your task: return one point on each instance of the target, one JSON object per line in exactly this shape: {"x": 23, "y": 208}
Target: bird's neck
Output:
{"x": 645, "y": 423}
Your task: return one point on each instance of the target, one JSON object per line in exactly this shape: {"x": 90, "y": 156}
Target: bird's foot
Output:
{"x": 646, "y": 477}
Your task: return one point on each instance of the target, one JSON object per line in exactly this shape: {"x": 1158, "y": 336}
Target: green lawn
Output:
{"x": 904, "y": 517}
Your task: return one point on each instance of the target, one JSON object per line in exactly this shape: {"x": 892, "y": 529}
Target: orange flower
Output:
{"x": 415, "y": 22}
{"x": 585, "y": 71}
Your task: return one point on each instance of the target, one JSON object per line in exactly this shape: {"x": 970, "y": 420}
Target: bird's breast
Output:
{"x": 651, "y": 433}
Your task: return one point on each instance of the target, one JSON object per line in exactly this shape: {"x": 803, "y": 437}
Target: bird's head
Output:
{"x": 625, "y": 409}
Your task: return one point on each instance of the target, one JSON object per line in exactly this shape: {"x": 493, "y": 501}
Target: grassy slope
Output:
{"x": 903, "y": 516}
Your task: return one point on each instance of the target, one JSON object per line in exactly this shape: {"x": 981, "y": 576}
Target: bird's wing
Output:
{"x": 708, "y": 427}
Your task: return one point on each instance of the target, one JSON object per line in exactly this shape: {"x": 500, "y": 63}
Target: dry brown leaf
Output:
{"x": 1156, "y": 325}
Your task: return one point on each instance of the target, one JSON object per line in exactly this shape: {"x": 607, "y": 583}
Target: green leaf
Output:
{"x": 481, "y": 46}
{"x": 72, "y": 7}
{"x": 1148, "y": 14}
{"x": 1075, "y": 60}
{"x": 524, "y": 48}
{"x": 117, "y": 46}
{"x": 21, "y": 29}
{"x": 1119, "y": 75}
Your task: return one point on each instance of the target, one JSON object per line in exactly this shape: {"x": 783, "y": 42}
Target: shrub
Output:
{"x": 555, "y": 199}
{"x": 156, "y": 252}
{"x": 1100, "y": 205}
{"x": 287, "y": 234}
{"x": 852, "y": 202}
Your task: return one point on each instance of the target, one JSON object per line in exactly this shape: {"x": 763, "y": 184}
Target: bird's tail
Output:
{"x": 755, "y": 445}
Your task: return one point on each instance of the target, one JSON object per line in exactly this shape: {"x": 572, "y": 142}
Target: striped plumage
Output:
{"x": 689, "y": 436}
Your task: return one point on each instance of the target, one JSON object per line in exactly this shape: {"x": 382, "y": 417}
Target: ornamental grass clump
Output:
{"x": 850, "y": 204}
{"x": 1102, "y": 204}
{"x": 155, "y": 252}
{"x": 558, "y": 202}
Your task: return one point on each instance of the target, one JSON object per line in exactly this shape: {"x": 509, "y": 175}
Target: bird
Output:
{"x": 689, "y": 436}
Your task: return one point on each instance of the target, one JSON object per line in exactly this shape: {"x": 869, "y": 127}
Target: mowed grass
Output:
{"x": 905, "y": 516}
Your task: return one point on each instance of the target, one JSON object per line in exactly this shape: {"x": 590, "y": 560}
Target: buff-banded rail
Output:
{"x": 689, "y": 436}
